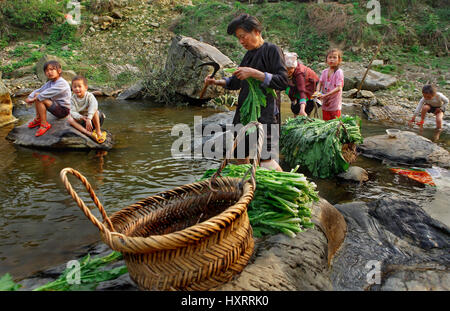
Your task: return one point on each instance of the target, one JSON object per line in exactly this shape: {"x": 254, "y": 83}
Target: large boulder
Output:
{"x": 60, "y": 136}
{"x": 374, "y": 81}
{"x": 408, "y": 148}
{"x": 185, "y": 54}
{"x": 6, "y": 106}
{"x": 391, "y": 244}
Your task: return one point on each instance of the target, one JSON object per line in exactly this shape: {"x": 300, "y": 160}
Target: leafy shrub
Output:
{"x": 32, "y": 14}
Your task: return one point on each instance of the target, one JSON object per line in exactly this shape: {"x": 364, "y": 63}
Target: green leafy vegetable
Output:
{"x": 317, "y": 144}
{"x": 7, "y": 284}
{"x": 256, "y": 98}
{"x": 282, "y": 200}
{"x": 90, "y": 274}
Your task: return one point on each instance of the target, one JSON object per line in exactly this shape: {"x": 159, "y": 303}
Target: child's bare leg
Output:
{"x": 439, "y": 117}
{"x": 74, "y": 123}
{"x": 96, "y": 122}
{"x": 424, "y": 112}
{"x": 41, "y": 109}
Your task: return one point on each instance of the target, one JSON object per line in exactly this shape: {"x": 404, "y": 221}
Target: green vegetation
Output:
{"x": 92, "y": 272}
{"x": 282, "y": 200}
{"x": 318, "y": 145}
{"x": 309, "y": 29}
{"x": 32, "y": 14}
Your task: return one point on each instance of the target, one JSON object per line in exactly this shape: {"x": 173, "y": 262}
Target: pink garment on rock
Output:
{"x": 333, "y": 102}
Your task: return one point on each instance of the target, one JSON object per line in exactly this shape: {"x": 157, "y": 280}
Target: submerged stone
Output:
{"x": 391, "y": 244}
{"x": 60, "y": 136}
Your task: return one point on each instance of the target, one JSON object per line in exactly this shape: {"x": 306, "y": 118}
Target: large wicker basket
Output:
{"x": 193, "y": 237}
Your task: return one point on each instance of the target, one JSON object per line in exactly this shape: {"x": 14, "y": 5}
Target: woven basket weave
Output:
{"x": 193, "y": 237}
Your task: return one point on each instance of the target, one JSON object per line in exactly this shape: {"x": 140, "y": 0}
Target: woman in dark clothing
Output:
{"x": 263, "y": 61}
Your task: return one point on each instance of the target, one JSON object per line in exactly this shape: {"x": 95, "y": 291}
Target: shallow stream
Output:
{"x": 41, "y": 226}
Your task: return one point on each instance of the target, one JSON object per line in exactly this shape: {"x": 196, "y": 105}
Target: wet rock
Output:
{"x": 408, "y": 148}
{"x": 300, "y": 263}
{"x": 136, "y": 91}
{"x": 410, "y": 248}
{"x": 355, "y": 173}
{"x": 185, "y": 54}
{"x": 60, "y": 136}
{"x": 374, "y": 81}
{"x": 6, "y": 106}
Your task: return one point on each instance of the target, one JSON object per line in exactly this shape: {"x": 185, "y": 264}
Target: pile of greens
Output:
{"x": 282, "y": 200}
{"x": 91, "y": 273}
{"x": 251, "y": 107}
{"x": 317, "y": 144}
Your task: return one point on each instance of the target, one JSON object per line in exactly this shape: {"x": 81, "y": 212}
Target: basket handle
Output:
{"x": 80, "y": 202}
{"x": 256, "y": 159}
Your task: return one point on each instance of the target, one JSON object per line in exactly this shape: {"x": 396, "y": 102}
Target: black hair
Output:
{"x": 244, "y": 21}
{"x": 53, "y": 63}
{"x": 80, "y": 77}
{"x": 429, "y": 89}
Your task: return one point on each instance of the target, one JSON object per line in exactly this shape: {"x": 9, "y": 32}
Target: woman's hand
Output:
{"x": 243, "y": 73}
{"x": 210, "y": 81}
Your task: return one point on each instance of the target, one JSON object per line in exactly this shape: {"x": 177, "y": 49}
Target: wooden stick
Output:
{"x": 368, "y": 67}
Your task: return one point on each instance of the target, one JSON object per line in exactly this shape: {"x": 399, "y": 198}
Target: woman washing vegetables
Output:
{"x": 262, "y": 62}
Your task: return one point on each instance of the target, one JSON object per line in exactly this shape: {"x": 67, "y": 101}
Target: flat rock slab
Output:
{"x": 396, "y": 237}
{"x": 60, "y": 136}
{"x": 408, "y": 148}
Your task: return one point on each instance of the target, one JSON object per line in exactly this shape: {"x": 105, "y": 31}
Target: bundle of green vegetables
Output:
{"x": 91, "y": 272}
{"x": 317, "y": 144}
{"x": 282, "y": 200}
{"x": 251, "y": 107}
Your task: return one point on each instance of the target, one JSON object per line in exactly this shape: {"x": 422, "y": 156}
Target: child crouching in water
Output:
{"x": 331, "y": 84}
{"x": 432, "y": 102}
{"x": 53, "y": 96}
{"x": 84, "y": 114}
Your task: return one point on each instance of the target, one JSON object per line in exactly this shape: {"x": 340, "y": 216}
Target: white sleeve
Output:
{"x": 419, "y": 107}
{"x": 444, "y": 100}
{"x": 92, "y": 106}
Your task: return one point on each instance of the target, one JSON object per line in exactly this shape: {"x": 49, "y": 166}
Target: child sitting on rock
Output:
{"x": 432, "y": 102}
{"x": 84, "y": 114}
{"x": 53, "y": 96}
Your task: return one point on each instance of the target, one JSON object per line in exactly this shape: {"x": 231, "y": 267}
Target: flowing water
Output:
{"x": 41, "y": 226}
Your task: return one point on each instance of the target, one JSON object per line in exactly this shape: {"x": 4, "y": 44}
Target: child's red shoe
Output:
{"x": 43, "y": 129}
{"x": 420, "y": 123}
{"x": 34, "y": 123}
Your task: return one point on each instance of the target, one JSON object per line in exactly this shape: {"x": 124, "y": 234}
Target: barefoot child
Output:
{"x": 432, "y": 102}
{"x": 84, "y": 114}
{"x": 53, "y": 96}
{"x": 331, "y": 84}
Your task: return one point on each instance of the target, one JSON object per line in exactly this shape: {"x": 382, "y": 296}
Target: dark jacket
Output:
{"x": 267, "y": 58}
